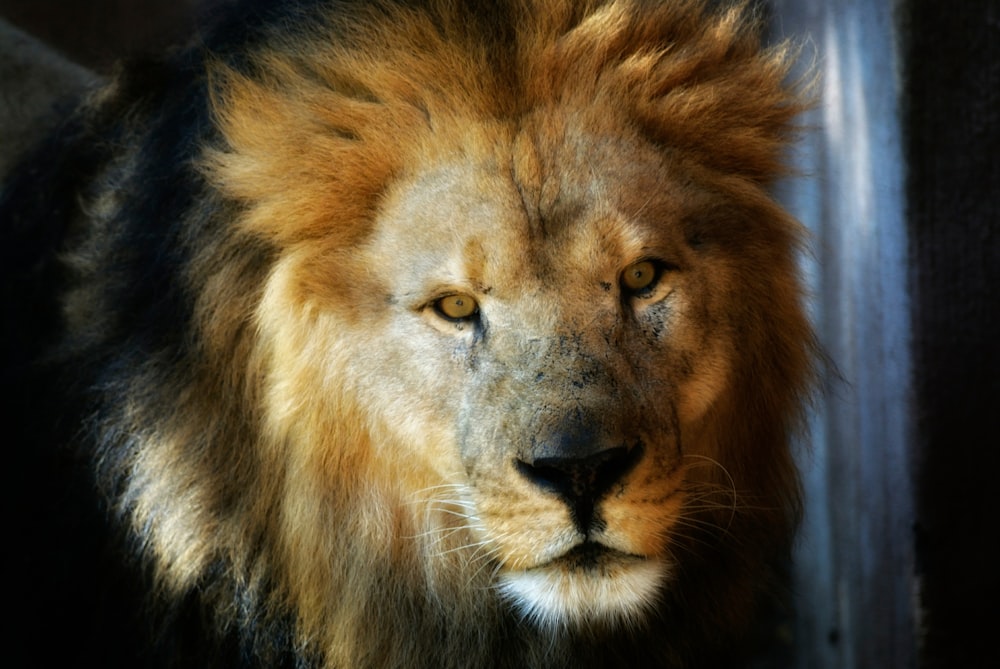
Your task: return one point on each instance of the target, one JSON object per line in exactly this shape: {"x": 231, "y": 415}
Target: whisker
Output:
{"x": 475, "y": 547}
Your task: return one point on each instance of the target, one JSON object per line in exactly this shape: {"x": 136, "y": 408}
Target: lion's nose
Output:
{"x": 581, "y": 476}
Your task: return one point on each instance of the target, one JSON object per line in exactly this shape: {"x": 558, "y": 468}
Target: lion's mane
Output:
{"x": 184, "y": 231}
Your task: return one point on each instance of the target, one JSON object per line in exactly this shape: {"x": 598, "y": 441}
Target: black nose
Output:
{"x": 580, "y": 474}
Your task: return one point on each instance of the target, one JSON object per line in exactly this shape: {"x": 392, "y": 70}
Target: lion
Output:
{"x": 417, "y": 334}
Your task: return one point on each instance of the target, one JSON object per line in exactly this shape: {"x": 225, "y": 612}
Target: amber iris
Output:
{"x": 639, "y": 276}
{"x": 457, "y": 307}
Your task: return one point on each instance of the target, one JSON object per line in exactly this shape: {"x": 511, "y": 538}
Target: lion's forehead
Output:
{"x": 500, "y": 228}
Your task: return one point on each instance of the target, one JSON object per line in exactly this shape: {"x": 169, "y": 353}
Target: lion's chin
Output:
{"x": 585, "y": 588}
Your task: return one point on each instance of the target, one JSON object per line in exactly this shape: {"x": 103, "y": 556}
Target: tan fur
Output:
{"x": 369, "y": 488}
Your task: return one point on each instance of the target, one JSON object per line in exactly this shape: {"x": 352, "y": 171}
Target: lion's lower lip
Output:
{"x": 591, "y": 582}
{"x": 591, "y": 555}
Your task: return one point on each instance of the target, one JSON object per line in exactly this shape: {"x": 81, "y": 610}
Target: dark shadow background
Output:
{"x": 99, "y": 32}
{"x": 952, "y": 139}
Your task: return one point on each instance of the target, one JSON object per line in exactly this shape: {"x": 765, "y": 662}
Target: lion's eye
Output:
{"x": 639, "y": 278}
{"x": 456, "y": 307}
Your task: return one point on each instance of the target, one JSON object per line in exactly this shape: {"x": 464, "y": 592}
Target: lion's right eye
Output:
{"x": 456, "y": 307}
{"x": 639, "y": 279}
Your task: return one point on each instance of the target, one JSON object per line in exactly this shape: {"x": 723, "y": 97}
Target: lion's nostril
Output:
{"x": 581, "y": 481}
{"x": 577, "y": 477}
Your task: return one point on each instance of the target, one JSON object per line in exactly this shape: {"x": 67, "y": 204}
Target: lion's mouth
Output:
{"x": 593, "y": 556}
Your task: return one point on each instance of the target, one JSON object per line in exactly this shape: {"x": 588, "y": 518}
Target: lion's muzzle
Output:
{"x": 580, "y": 470}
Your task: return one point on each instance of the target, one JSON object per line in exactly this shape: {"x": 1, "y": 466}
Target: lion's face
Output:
{"x": 552, "y": 336}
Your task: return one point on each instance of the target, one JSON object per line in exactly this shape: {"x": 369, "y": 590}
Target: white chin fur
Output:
{"x": 554, "y": 597}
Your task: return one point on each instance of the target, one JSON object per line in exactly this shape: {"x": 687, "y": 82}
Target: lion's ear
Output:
{"x": 694, "y": 81}
{"x": 293, "y": 153}
{"x": 736, "y": 117}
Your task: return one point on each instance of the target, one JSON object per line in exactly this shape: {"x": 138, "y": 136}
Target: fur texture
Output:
{"x": 435, "y": 334}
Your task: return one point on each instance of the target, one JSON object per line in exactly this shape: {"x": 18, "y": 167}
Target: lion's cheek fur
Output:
{"x": 349, "y": 472}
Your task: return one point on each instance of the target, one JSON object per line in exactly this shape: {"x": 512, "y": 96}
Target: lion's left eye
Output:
{"x": 456, "y": 307}
{"x": 640, "y": 278}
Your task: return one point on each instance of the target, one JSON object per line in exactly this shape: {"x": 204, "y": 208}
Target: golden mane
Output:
{"x": 313, "y": 130}
{"x": 343, "y": 109}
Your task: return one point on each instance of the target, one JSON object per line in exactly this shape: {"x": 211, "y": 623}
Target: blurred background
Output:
{"x": 898, "y": 559}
